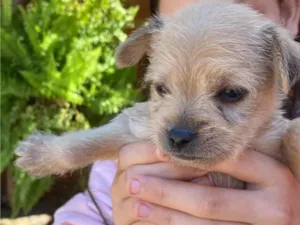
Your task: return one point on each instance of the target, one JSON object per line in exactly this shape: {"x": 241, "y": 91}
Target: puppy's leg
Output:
{"x": 42, "y": 155}
{"x": 291, "y": 146}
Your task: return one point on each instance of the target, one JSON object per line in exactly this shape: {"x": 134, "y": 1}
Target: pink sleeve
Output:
{"x": 80, "y": 210}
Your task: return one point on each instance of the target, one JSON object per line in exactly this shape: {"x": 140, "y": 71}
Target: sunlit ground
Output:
{"x": 30, "y": 220}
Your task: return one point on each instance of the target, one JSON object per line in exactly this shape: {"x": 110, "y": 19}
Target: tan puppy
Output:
{"x": 218, "y": 74}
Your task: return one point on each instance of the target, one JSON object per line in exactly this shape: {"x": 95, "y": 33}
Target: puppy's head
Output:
{"x": 217, "y": 72}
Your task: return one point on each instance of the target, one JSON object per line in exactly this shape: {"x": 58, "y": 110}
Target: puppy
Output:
{"x": 218, "y": 73}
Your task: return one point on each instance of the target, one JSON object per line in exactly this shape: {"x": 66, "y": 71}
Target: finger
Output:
{"x": 125, "y": 211}
{"x": 136, "y": 154}
{"x": 143, "y": 223}
{"x": 163, "y": 170}
{"x": 253, "y": 167}
{"x": 161, "y": 215}
{"x": 200, "y": 201}
{"x": 133, "y": 211}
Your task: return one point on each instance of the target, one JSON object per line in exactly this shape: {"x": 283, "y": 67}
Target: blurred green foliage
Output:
{"x": 58, "y": 74}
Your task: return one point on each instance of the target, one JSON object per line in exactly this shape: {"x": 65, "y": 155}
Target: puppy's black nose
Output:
{"x": 180, "y": 137}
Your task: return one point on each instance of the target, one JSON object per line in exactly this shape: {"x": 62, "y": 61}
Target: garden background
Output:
{"x": 58, "y": 74}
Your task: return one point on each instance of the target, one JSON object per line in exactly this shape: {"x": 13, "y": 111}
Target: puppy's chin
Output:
{"x": 194, "y": 161}
{"x": 199, "y": 158}
{"x": 202, "y": 151}
{"x": 199, "y": 161}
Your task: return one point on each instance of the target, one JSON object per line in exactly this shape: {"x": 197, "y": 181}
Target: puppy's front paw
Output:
{"x": 37, "y": 156}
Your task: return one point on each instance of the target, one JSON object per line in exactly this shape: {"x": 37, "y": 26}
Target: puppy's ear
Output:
{"x": 136, "y": 46}
{"x": 286, "y": 57}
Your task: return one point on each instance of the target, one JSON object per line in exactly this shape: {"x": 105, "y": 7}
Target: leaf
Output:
{"x": 6, "y": 13}
{"x": 29, "y": 27}
{"x": 58, "y": 74}
{"x": 23, "y": 197}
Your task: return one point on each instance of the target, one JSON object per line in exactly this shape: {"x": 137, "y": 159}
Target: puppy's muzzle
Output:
{"x": 179, "y": 138}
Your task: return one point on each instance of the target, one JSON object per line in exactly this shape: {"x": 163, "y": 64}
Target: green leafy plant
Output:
{"x": 58, "y": 74}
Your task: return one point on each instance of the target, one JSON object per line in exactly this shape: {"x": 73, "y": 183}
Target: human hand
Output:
{"x": 141, "y": 160}
{"x": 273, "y": 198}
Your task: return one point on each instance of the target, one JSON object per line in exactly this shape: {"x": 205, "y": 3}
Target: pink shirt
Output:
{"x": 80, "y": 210}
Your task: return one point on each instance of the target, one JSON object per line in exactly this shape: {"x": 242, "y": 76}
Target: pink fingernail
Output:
{"x": 135, "y": 186}
{"x": 144, "y": 211}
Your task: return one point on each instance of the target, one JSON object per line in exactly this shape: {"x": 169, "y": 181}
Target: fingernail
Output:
{"x": 144, "y": 211}
{"x": 135, "y": 186}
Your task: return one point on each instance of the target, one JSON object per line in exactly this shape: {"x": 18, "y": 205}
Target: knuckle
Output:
{"x": 123, "y": 153}
{"x": 285, "y": 174}
{"x": 211, "y": 205}
{"x": 142, "y": 223}
{"x": 127, "y": 177}
{"x": 130, "y": 173}
{"x": 116, "y": 186}
{"x": 116, "y": 213}
{"x": 156, "y": 190}
{"x": 285, "y": 214}
{"x": 126, "y": 180}
{"x": 122, "y": 181}
{"x": 282, "y": 214}
{"x": 162, "y": 193}
{"x": 113, "y": 188}
{"x": 133, "y": 170}
{"x": 126, "y": 155}
{"x": 168, "y": 219}
{"x": 127, "y": 174}
{"x": 134, "y": 204}
{"x": 125, "y": 212}
{"x": 290, "y": 182}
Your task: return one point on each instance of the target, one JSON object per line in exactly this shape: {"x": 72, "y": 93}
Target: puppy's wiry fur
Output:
{"x": 194, "y": 55}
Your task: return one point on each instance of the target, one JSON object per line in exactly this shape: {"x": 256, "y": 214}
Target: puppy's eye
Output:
{"x": 231, "y": 95}
{"x": 161, "y": 89}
